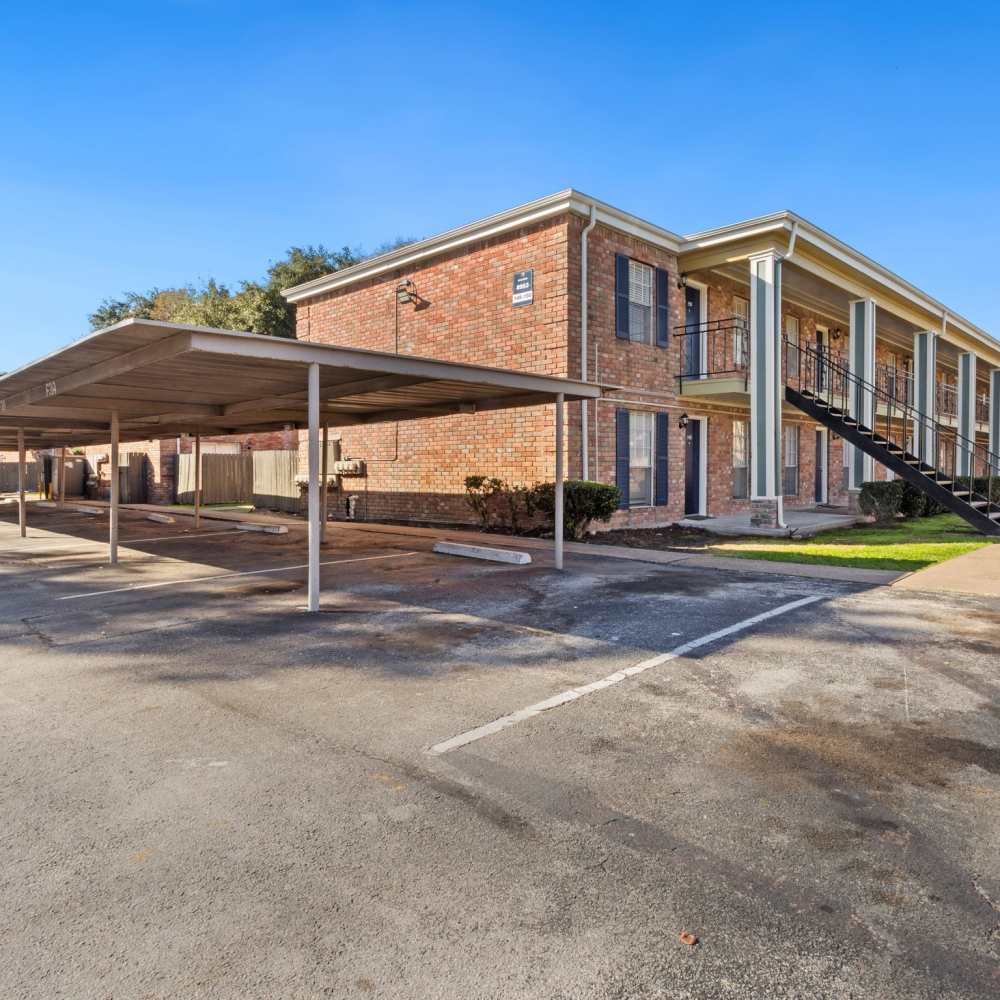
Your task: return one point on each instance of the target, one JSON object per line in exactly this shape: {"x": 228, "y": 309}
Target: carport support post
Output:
{"x": 62, "y": 476}
{"x": 314, "y": 523}
{"x": 559, "y": 482}
{"x": 22, "y": 511}
{"x": 197, "y": 479}
{"x": 113, "y": 518}
{"x": 323, "y": 498}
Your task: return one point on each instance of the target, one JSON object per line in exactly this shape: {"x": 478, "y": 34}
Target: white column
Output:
{"x": 197, "y": 479}
{"x": 925, "y": 395}
{"x": 62, "y": 476}
{"x": 314, "y": 525}
{"x": 324, "y": 487}
{"x": 113, "y": 513}
{"x": 861, "y": 405}
{"x": 995, "y": 420}
{"x": 558, "y": 518}
{"x": 766, "y": 386}
{"x": 964, "y": 460}
{"x": 22, "y": 510}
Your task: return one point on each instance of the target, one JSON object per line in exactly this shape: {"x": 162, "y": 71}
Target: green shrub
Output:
{"x": 914, "y": 502}
{"x": 480, "y": 494}
{"x": 881, "y": 499}
{"x": 583, "y": 502}
{"x": 982, "y": 483}
{"x": 499, "y": 503}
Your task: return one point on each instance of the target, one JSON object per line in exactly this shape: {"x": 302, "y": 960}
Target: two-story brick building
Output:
{"x": 694, "y": 336}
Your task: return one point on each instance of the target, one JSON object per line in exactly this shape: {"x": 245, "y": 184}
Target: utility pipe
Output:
{"x": 584, "y": 405}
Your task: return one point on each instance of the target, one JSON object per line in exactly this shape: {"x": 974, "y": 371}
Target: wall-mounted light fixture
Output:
{"x": 838, "y": 333}
{"x": 406, "y": 292}
{"x": 684, "y": 421}
{"x": 682, "y": 280}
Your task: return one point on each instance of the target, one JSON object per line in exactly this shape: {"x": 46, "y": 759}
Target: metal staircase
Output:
{"x": 966, "y": 476}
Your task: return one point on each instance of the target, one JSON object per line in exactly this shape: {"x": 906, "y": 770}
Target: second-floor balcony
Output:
{"x": 714, "y": 360}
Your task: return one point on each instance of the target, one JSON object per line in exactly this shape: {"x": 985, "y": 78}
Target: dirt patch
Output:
{"x": 672, "y": 539}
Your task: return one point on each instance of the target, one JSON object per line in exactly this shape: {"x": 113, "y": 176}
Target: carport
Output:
{"x": 143, "y": 379}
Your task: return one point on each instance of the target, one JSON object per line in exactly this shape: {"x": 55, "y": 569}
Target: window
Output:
{"x": 845, "y": 450}
{"x": 792, "y": 336}
{"x": 640, "y": 471}
{"x": 640, "y": 302}
{"x": 741, "y": 333}
{"x": 741, "y": 459}
{"x": 790, "y": 460}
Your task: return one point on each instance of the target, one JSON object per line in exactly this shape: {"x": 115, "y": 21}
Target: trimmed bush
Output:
{"x": 583, "y": 502}
{"x": 914, "y": 503}
{"x": 881, "y": 500}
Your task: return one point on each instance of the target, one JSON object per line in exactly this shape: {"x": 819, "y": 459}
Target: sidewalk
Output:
{"x": 695, "y": 560}
{"x": 976, "y": 573}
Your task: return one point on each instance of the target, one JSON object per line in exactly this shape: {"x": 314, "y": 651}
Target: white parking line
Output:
{"x": 505, "y": 721}
{"x": 228, "y": 576}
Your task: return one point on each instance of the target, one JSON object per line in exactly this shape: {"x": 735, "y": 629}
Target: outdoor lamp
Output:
{"x": 406, "y": 292}
{"x": 683, "y": 422}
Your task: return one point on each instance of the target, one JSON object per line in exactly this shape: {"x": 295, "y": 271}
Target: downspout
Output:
{"x": 788, "y": 256}
{"x": 584, "y": 406}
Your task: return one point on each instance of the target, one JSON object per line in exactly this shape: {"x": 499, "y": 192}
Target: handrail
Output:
{"x": 816, "y": 370}
{"x": 714, "y": 348}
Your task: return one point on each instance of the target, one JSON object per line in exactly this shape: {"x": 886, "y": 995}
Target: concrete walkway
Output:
{"x": 693, "y": 558}
{"x": 800, "y": 524}
{"x": 976, "y": 573}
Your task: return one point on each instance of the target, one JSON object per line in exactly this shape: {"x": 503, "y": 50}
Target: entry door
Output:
{"x": 821, "y": 466}
{"x": 692, "y": 468}
{"x": 692, "y": 323}
{"x": 822, "y": 374}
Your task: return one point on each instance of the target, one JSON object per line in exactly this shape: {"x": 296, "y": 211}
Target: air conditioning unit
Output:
{"x": 349, "y": 467}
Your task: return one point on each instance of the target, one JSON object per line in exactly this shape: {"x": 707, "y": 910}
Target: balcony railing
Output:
{"x": 716, "y": 349}
{"x": 983, "y": 408}
{"x": 894, "y": 383}
{"x": 947, "y": 400}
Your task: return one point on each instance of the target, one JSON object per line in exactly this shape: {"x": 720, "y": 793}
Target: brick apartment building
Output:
{"x": 669, "y": 324}
{"x": 694, "y": 338}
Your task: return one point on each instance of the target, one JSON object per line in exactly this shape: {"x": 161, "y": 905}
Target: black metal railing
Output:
{"x": 967, "y": 469}
{"x": 718, "y": 348}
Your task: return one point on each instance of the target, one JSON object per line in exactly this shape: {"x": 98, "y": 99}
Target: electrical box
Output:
{"x": 349, "y": 467}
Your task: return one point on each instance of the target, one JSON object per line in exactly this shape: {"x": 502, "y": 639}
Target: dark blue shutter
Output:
{"x": 622, "y": 455}
{"x": 662, "y": 308}
{"x": 660, "y": 441}
{"x": 621, "y": 296}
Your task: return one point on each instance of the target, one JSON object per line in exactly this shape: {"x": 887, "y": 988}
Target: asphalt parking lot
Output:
{"x": 209, "y": 793}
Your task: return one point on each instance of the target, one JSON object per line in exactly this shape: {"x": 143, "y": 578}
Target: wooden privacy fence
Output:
{"x": 8, "y": 476}
{"x": 263, "y": 478}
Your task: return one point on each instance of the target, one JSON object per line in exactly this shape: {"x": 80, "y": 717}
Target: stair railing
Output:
{"x": 903, "y": 425}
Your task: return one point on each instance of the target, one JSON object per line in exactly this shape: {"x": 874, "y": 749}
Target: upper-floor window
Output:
{"x": 640, "y": 302}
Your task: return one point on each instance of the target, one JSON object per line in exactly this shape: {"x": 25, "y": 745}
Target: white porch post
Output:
{"x": 559, "y": 482}
{"x": 964, "y": 460}
{"x": 314, "y": 523}
{"x": 766, "y": 389}
{"x": 62, "y": 476}
{"x": 925, "y": 395}
{"x": 324, "y": 485}
{"x": 197, "y": 479}
{"x": 995, "y": 420}
{"x": 861, "y": 362}
{"x": 22, "y": 510}
{"x": 113, "y": 512}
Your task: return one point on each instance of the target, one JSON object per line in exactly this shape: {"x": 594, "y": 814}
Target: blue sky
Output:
{"x": 159, "y": 143}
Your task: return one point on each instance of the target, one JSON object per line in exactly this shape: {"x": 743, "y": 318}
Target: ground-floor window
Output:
{"x": 640, "y": 469}
{"x": 741, "y": 459}
{"x": 790, "y": 460}
{"x": 845, "y": 454}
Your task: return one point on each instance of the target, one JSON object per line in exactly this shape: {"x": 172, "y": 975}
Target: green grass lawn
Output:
{"x": 906, "y": 546}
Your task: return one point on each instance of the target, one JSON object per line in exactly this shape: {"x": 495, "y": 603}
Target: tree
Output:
{"x": 255, "y": 308}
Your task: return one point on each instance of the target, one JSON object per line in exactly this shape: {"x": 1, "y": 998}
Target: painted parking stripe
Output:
{"x": 228, "y": 576}
{"x": 506, "y": 721}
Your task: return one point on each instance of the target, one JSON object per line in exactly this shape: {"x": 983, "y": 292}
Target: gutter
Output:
{"x": 584, "y": 429}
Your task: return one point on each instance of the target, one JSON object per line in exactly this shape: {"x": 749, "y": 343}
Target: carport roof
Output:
{"x": 165, "y": 379}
